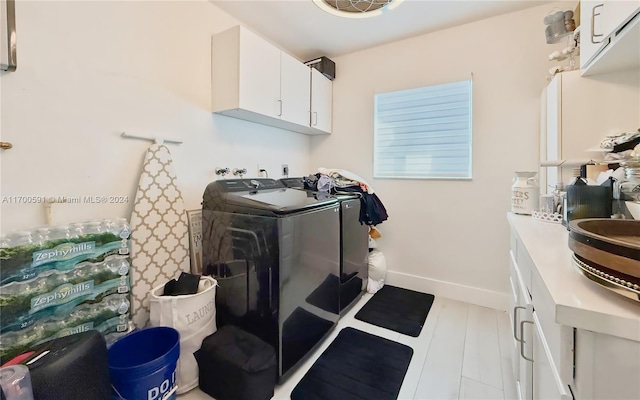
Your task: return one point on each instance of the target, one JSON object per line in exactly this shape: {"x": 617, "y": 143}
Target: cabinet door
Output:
{"x": 514, "y": 313}
{"x": 553, "y": 126}
{"x": 524, "y": 349}
{"x": 582, "y": 111}
{"x": 593, "y": 32}
{"x": 295, "y": 89}
{"x": 522, "y": 342}
{"x": 259, "y": 77}
{"x": 607, "y": 367}
{"x": 619, "y": 12}
{"x": 321, "y": 101}
{"x": 546, "y": 380}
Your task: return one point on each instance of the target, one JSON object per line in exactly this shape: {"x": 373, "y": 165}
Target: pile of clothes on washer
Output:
{"x": 332, "y": 181}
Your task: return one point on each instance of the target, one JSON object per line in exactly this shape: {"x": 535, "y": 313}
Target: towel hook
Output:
{"x": 5, "y": 145}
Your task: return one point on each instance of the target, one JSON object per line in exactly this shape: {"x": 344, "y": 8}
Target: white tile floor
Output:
{"x": 461, "y": 353}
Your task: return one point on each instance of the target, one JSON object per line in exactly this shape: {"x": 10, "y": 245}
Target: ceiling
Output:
{"x": 304, "y": 30}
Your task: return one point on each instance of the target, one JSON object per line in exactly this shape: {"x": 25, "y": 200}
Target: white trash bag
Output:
{"x": 377, "y": 271}
{"x": 194, "y": 317}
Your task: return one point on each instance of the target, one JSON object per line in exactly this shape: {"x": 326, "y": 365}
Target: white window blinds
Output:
{"x": 423, "y": 133}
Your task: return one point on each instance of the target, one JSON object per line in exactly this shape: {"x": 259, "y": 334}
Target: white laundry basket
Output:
{"x": 194, "y": 317}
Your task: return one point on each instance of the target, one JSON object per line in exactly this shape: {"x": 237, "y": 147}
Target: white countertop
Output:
{"x": 578, "y": 301}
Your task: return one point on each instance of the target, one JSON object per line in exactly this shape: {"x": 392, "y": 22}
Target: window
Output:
{"x": 423, "y": 133}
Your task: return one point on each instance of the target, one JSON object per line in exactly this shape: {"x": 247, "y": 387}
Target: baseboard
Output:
{"x": 450, "y": 290}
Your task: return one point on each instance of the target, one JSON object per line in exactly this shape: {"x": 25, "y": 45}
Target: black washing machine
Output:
{"x": 274, "y": 251}
{"x": 354, "y": 244}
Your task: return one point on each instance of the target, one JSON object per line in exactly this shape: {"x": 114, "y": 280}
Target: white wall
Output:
{"x": 88, "y": 71}
{"x": 453, "y": 234}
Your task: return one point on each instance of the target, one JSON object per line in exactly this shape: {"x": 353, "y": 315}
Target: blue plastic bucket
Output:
{"x": 142, "y": 365}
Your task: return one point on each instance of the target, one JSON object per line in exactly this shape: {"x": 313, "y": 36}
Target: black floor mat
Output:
{"x": 400, "y": 310}
{"x": 356, "y": 366}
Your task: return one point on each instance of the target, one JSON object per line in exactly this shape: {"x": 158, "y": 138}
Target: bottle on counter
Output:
{"x": 559, "y": 193}
{"x": 524, "y": 193}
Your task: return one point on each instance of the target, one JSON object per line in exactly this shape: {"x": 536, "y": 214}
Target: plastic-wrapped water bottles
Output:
{"x": 59, "y": 233}
{"x": 93, "y": 227}
{"x": 41, "y": 236}
{"x": 55, "y": 281}
{"x": 76, "y": 229}
{"x": 23, "y": 238}
{"x": 122, "y": 228}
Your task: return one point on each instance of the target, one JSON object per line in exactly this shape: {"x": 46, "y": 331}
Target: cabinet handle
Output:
{"x": 279, "y": 108}
{"x": 12, "y": 62}
{"x": 315, "y": 114}
{"x": 522, "y": 342}
{"x": 515, "y": 323}
{"x": 593, "y": 24}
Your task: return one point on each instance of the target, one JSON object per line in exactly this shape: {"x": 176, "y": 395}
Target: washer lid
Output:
{"x": 284, "y": 201}
{"x": 260, "y": 197}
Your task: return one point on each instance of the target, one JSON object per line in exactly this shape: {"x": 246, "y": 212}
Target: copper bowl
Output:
{"x": 611, "y": 243}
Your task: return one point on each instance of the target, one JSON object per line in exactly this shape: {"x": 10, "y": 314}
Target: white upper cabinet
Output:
{"x": 254, "y": 80}
{"x": 258, "y": 61}
{"x": 580, "y": 113}
{"x": 618, "y": 12}
{"x": 610, "y": 36}
{"x": 295, "y": 90}
{"x": 240, "y": 61}
{"x": 592, "y": 30}
{"x": 321, "y": 101}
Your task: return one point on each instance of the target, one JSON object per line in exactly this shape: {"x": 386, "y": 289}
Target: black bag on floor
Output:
{"x": 236, "y": 365}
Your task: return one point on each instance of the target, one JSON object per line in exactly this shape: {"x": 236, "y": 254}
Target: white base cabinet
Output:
{"x": 553, "y": 359}
{"x": 611, "y": 370}
{"x": 535, "y": 370}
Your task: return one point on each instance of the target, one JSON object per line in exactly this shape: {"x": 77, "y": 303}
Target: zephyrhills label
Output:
{"x": 77, "y": 329}
{"x": 62, "y": 252}
{"x": 61, "y": 295}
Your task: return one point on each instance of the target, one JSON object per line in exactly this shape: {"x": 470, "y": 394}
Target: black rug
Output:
{"x": 356, "y": 366}
{"x": 400, "y": 310}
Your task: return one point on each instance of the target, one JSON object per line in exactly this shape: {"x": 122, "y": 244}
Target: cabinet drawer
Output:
{"x": 547, "y": 383}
